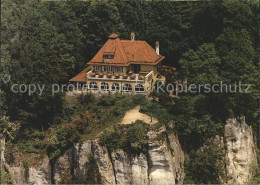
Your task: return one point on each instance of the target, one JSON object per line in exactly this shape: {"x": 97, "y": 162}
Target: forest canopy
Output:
{"x": 46, "y": 42}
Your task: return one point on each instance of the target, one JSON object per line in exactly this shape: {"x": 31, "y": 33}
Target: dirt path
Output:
{"x": 134, "y": 114}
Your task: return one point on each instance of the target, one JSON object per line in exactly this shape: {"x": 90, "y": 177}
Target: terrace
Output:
{"x": 141, "y": 77}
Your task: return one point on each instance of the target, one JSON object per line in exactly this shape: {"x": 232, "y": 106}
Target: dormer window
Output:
{"x": 108, "y": 56}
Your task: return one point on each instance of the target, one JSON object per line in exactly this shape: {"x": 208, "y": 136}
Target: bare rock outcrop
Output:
{"x": 166, "y": 159}
{"x": 62, "y": 163}
{"x": 36, "y": 174}
{"x": 104, "y": 163}
{"x": 240, "y": 153}
{"x": 162, "y": 164}
{"x": 88, "y": 162}
{"x": 40, "y": 174}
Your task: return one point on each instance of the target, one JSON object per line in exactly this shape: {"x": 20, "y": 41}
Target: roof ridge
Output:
{"x": 147, "y": 45}
{"x": 128, "y": 60}
{"x": 123, "y": 53}
{"x": 126, "y": 52}
{"x": 132, "y": 40}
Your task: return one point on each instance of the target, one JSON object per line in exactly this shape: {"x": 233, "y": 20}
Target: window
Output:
{"x": 127, "y": 87}
{"x": 104, "y": 86}
{"x": 93, "y": 85}
{"x": 97, "y": 68}
{"x": 115, "y": 87}
{"x": 108, "y": 68}
{"x": 108, "y": 56}
{"x": 118, "y": 69}
{"x": 139, "y": 88}
{"x": 136, "y": 68}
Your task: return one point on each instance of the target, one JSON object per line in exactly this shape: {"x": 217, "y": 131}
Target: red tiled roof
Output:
{"x": 126, "y": 52}
{"x": 81, "y": 77}
{"x": 113, "y": 36}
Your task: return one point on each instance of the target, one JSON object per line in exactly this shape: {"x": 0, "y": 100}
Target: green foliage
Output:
{"x": 31, "y": 141}
{"x": 6, "y": 177}
{"x": 90, "y": 156}
{"x": 154, "y": 109}
{"x": 124, "y": 104}
{"x": 66, "y": 177}
{"x": 69, "y": 110}
{"x": 131, "y": 138}
{"x": 93, "y": 174}
{"x": 26, "y": 169}
{"x": 50, "y": 42}
{"x": 195, "y": 121}
{"x": 205, "y": 166}
{"x": 8, "y": 129}
{"x": 255, "y": 168}
{"x": 86, "y": 99}
{"x": 256, "y": 174}
{"x": 136, "y": 139}
{"x": 60, "y": 141}
{"x": 201, "y": 66}
{"x": 104, "y": 112}
{"x": 110, "y": 138}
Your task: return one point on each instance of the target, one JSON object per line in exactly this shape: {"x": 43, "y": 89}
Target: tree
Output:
{"x": 205, "y": 165}
{"x": 201, "y": 66}
{"x": 8, "y": 129}
{"x": 97, "y": 21}
{"x": 238, "y": 56}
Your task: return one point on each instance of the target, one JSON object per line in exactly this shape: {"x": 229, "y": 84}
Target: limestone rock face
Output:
{"x": 104, "y": 163}
{"x": 139, "y": 169}
{"x": 240, "y": 154}
{"x": 122, "y": 167}
{"x": 81, "y": 160}
{"x": 63, "y": 162}
{"x": 130, "y": 169}
{"x": 18, "y": 173}
{"x": 17, "y": 169}
{"x": 165, "y": 163}
{"x": 162, "y": 164}
{"x": 40, "y": 174}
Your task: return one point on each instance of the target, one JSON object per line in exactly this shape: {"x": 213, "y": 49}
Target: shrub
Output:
{"x": 61, "y": 141}
{"x": 90, "y": 156}
{"x": 106, "y": 100}
{"x": 136, "y": 139}
{"x": 26, "y": 170}
{"x": 110, "y": 138}
{"x": 66, "y": 177}
{"x": 70, "y": 109}
{"x": 131, "y": 138}
{"x": 86, "y": 99}
{"x": 118, "y": 111}
{"x": 153, "y": 108}
{"x": 6, "y": 177}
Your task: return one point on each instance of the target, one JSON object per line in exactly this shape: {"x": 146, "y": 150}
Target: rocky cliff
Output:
{"x": 162, "y": 164}
{"x": 240, "y": 152}
{"x": 88, "y": 162}
{"x": 22, "y": 174}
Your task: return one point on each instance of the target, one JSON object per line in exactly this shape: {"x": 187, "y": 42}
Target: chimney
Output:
{"x": 132, "y": 36}
{"x": 157, "y": 47}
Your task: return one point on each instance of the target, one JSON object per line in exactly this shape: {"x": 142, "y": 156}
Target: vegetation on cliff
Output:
{"x": 49, "y": 42}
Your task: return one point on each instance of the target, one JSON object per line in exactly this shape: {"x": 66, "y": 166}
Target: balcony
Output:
{"x": 141, "y": 77}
